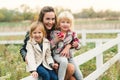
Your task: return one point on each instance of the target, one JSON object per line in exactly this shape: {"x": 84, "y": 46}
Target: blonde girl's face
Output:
{"x": 37, "y": 35}
{"x": 65, "y": 25}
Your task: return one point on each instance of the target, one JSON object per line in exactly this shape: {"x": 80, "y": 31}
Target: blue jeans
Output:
{"x": 46, "y": 74}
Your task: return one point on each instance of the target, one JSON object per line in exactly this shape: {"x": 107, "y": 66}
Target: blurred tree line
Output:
{"x": 90, "y": 13}
{"x": 16, "y": 15}
{"x": 27, "y": 13}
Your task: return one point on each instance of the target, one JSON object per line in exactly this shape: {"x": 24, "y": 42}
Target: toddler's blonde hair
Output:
{"x": 65, "y": 15}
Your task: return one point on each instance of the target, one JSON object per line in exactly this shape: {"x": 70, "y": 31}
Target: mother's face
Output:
{"x": 49, "y": 20}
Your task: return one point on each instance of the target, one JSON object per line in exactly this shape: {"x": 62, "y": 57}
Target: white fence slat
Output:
{"x": 94, "y": 52}
{"x": 83, "y": 37}
{"x": 119, "y": 43}
{"x": 99, "y": 31}
{"x": 94, "y": 75}
{"x": 99, "y": 58}
{"x": 11, "y": 42}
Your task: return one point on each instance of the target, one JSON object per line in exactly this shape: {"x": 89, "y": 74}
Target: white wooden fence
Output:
{"x": 12, "y": 34}
{"x": 85, "y": 32}
{"x": 98, "y": 53}
{"x": 84, "y": 57}
{"x": 82, "y": 32}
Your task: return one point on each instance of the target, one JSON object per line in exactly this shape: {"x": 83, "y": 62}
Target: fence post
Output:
{"x": 118, "y": 35}
{"x": 99, "y": 58}
{"x": 119, "y": 43}
{"x": 83, "y": 38}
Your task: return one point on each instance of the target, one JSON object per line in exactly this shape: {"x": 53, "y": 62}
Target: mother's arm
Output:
{"x": 65, "y": 52}
{"x": 23, "y": 50}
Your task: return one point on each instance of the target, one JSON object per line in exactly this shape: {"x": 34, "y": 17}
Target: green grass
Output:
{"x": 100, "y": 35}
{"x": 12, "y": 63}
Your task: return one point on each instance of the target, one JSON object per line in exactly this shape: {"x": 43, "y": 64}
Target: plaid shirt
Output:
{"x": 57, "y": 47}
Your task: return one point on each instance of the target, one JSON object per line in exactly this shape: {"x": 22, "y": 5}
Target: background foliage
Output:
{"x": 26, "y": 13}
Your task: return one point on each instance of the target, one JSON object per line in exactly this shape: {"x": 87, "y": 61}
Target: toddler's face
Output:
{"x": 65, "y": 25}
{"x": 37, "y": 35}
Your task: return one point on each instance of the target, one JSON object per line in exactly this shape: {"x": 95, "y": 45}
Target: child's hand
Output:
{"x": 34, "y": 74}
{"x": 75, "y": 44}
{"x": 60, "y": 35}
{"x": 55, "y": 66}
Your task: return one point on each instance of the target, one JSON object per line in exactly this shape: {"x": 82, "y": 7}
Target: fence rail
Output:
{"x": 12, "y": 33}
{"x": 83, "y": 33}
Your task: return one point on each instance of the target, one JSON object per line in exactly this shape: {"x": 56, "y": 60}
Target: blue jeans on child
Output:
{"x": 46, "y": 74}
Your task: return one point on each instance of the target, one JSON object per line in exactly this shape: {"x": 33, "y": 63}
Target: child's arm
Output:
{"x": 48, "y": 55}
{"x": 49, "y": 58}
{"x": 31, "y": 57}
{"x": 76, "y": 43}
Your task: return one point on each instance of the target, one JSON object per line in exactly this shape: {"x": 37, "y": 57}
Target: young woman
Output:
{"x": 65, "y": 36}
{"x": 48, "y": 18}
{"x": 40, "y": 61}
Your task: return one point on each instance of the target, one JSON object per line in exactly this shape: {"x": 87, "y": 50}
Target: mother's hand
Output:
{"x": 65, "y": 52}
{"x": 26, "y": 60}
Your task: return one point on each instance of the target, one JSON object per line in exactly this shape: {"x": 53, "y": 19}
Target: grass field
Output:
{"x": 11, "y": 63}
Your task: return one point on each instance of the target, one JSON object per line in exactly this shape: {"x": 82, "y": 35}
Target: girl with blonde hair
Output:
{"x": 65, "y": 36}
{"x": 40, "y": 61}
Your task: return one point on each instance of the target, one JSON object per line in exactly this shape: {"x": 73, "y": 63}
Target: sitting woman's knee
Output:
{"x": 70, "y": 71}
{"x": 70, "y": 68}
